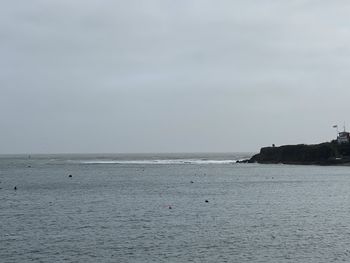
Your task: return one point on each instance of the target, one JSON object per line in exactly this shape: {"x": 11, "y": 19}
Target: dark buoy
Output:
{"x": 70, "y": 175}
{"x": 170, "y": 207}
{"x": 15, "y": 188}
{"x": 191, "y": 182}
{"x": 206, "y": 201}
{"x": 29, "y": 166}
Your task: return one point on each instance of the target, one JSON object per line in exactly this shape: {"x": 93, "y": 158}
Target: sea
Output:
{"x": 171, "y": 208}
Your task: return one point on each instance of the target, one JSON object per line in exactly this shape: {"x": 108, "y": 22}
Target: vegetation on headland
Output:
{"x": 328, "y": 153}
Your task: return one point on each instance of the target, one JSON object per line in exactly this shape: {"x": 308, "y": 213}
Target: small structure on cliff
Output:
{"x": 343, "y": 137}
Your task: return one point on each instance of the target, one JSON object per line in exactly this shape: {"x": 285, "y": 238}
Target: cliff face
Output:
{"x": 328, "y": 153}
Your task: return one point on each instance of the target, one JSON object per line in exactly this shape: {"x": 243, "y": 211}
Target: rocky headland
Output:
{"x": 328, "y": 153}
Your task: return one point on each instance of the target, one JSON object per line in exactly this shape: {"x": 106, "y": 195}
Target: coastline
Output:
{"x": 325, "y": 154}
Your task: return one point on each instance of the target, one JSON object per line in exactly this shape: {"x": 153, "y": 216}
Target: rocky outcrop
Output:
{"x": 328, "y": 153}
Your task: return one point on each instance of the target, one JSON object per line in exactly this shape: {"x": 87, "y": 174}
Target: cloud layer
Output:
{"x": 164, "y": 76}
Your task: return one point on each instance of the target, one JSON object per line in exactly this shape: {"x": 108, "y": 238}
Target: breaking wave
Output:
{"x": 157, "y": 162}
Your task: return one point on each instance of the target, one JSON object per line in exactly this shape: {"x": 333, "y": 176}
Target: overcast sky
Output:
{"x": 171, "y": 76}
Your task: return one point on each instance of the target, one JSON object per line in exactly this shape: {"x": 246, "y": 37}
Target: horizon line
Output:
{"x": 131, "y": 153}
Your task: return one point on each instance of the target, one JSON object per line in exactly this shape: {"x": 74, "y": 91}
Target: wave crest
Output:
{"x": 157, "y": 162}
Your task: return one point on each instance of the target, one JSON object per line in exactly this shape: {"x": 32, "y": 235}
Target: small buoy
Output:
{"x": 15, "y": 188}
{"x": 191, "y": 182}
{"x": 29, "y": 166}
{"x": 70, "y": 175}
{"x": 206, "y": 201}
{"x": 170, "y": 207}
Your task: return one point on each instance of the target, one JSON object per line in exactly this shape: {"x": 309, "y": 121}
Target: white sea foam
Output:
{"x": 160, "y": 161}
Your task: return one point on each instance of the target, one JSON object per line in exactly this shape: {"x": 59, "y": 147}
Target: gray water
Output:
{"x": 115, "y": 208}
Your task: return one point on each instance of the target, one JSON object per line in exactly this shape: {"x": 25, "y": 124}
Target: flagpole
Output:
{"x": 336, "y": 126}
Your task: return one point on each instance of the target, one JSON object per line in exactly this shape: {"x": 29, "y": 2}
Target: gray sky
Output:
{"x": 171, "y": 76}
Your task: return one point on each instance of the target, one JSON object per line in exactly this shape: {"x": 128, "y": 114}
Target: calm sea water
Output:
{"x": 115, "y": 208}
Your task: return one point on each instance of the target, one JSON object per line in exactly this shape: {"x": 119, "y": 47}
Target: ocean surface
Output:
{"x": 152, "y": 208}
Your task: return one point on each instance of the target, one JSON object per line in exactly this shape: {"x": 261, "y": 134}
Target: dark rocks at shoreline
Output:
{"x": 328, "y": 153}
{"x": 245, "y": 161}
